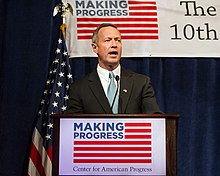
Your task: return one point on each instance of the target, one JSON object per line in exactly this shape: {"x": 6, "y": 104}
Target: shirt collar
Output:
{"x": 105, "y": 73}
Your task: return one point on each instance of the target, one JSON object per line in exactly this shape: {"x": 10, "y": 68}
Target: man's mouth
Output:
{"x": 113, "y": 53}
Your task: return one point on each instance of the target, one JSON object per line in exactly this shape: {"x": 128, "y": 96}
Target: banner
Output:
{"x": 158, "y": 28}
{"x": 113, "y": 146}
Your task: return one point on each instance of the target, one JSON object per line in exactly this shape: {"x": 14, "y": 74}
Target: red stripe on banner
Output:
{"x": 138, "y": 130}
{"x": 140, "y": 37}
{"x": 112, "y": 154}
{"x": 143, "y": 13}
{"x": 137, "y": 136}
{"x": 137, "y": 124}
{"x": 141, "y": 2}
{"x": 93, "y": 25}
{"x": 142, "y": 8}
{"x": 112, "y": 148}
{"x": 87, "y": 31}
{"x": 112, "y": 161}
{"x": 112, "y": 142}
{"x": 35, "y": 157}
{"x": 115, "y": 19}
{"x": 123, "y": 37}
{"x": 139, "y": 31}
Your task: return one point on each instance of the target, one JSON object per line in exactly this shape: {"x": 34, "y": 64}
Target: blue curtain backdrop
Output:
{"x": 187, "y": 86}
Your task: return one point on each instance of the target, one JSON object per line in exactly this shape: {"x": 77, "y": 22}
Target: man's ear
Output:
{"x": 94, "y": 48}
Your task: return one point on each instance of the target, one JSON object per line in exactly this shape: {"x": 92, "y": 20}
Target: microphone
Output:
{"x": 117, "y": 79}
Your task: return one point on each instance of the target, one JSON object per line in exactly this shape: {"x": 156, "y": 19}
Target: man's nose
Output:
{"x": 114, "y": 43}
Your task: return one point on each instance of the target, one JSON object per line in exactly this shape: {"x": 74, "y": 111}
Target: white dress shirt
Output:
{"x": 104, "y": 77}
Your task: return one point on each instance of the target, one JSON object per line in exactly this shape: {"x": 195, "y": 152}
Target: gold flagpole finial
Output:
{"x": 63, "y": 9}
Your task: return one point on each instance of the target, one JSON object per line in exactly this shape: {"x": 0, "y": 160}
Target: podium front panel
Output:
{"x": 112, "y": 146}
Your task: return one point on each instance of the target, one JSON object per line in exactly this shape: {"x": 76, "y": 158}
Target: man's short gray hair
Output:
{"x": 95, "y": 33}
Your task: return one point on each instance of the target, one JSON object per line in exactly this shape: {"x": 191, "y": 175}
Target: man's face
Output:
{"x": 108, "y": 47}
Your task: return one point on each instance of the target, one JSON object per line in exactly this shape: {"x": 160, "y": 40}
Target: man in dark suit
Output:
{"x": 89, "y": 95}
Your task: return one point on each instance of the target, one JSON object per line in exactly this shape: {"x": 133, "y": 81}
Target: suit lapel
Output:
{"x": 97, "y": 89}
{"x": 126, "y": 86}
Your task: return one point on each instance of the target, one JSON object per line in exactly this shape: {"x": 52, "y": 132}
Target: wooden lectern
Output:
{"x": 170, "y": 126}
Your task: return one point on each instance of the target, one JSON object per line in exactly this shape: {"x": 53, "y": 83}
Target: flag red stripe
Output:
{"x": 143, "y": 2}
{"x": 142, "y": 8}
{"x": 112, "y": 161}
{"x": 143, "y": 13}
{"x": 49, "y": 152}
{"x": 137, "y": 124}
{"x": 112, "y": 154}
{"x": 137, "y": 136}
{"x": 36, "y": 159}
{"x": 115, "y": 19}
{"x": 112, "y": 142}
{"x": 136, "y": 25}
{"x": 86, "y": 31}
{"x": 112, "y": 148}
{"x": 137, "y": 130}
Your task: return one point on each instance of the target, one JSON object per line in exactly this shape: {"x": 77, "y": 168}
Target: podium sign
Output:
{"x": 112, "y": 146}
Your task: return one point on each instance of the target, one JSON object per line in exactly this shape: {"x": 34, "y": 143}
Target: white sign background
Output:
{"x": 157, "y": 167}
{"x": 186, "y": 29}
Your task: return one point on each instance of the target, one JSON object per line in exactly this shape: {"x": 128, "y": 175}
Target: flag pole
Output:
{"x": 63, "y": 30}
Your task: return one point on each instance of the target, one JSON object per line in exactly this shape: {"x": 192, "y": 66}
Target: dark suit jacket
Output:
{"x": 136, "y": 95}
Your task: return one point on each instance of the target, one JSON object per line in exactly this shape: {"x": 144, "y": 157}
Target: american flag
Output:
{"x": 140, "y": 23}
{"x": 135, "y": 147}
{"x": 53, "y": 102}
